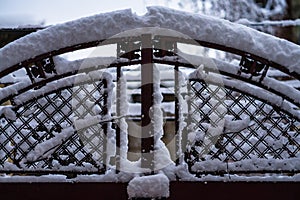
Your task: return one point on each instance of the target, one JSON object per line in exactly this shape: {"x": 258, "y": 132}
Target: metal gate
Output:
{"x": 239, "y": 119}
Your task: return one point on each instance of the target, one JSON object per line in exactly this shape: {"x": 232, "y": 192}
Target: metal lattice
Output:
{"x": 269, "y": 133}
{"x": 42, "y": 119}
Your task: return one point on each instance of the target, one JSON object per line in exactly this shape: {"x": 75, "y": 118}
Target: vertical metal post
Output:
{"x": 105, "y": 125}
{"x": 118, "y": 113}
{"x": 177, "y": 110}
{"x": 147, "y": 91}
{"x": 187, "y": 154}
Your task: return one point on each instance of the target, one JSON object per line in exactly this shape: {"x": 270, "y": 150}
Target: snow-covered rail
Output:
{"x": 227, "y": 117}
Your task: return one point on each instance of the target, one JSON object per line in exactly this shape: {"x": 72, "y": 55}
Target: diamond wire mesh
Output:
{"x": 270, "y": 134}
{"x": 41, "y": 119}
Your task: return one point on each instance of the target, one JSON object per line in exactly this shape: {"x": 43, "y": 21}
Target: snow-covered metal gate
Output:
{"x": 39, "y": 133}
{"x": 258, "y": 136}
{"x": 229, "y": 118}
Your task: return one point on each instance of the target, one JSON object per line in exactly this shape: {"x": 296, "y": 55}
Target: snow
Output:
{"x": 63, "y": 65}
{"x": 52, "y": 86}
{"x": 92, "y": 120}
{"x": 124, "y": 106}
{"x": 8, "y": 112}
{"x": 253, "y": 164}
{"x": 167, "y": 107}
{"x": 182, "y": 108}
{"x": 212, "y": 64}
{"x": 14, "y": 77}
{"x": 282, "y": 23}
{"x": 162, "y": 156}
{"x": 13, "y": 89}
{"x": 153, "y": 186}
{"x": 122, "y": 177}
{"x": 33, "y": 179}
{"x": 262, "y": 94}
{"x": 109, "y": 176}
{"x": 199, "y": 27}
{"x": 252, "y": 178}
{"x": 237, "y": 125}
{"x": 196, "y": 26}
{"x": 155, "y": 110}
{"x": 45, "y": 149}
{"x": 56, "y": 85}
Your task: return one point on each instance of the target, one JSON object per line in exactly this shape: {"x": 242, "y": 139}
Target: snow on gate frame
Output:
{"x": 252, "y": 70}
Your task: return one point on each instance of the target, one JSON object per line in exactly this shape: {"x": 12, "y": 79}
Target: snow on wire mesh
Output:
{"x": 256, "y": 136}
{"x": 48, "y": 132}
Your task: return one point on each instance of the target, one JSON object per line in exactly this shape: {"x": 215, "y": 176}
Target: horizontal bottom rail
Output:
{"x": 101, "y": 172}
{"x": 178, "y": 190}
{"x": 247, "y": 173}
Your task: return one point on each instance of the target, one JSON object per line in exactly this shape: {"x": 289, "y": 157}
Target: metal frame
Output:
{"x": 149, "y": 54}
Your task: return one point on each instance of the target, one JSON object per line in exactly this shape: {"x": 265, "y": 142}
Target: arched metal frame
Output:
{"x": 146, "y": 49}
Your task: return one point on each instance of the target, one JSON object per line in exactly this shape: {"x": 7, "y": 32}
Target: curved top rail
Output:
{"x": 271, "y": 85}
{"x": 258, "y": 93}
{"x": 70, "y": 68}
{"x": 195, "y": 26}
{"x": 65, "y": 69}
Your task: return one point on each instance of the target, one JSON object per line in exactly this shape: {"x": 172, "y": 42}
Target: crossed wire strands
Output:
{"x": 41, "y": 119}
{"x": 271, "y": 133}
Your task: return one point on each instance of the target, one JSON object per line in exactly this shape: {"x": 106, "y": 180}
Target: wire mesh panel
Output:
{"x": 43, "y": 135}
{"x": 234, "y": 132}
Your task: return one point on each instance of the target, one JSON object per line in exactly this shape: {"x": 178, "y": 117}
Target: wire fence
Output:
{"x": 38, "y": 139}
{"x": 253, "y": 131}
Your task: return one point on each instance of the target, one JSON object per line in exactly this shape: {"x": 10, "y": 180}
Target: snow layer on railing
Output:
{"x": 52, "y": 86}
{"x": 213, "y": 64}
{"x": 162, "y": 156}
{"x": 63, "y": 65}
{"x": 281, "y": 23}
{"x": 257, "y": 164}
{"x": 118, "y": 178}
{"x": 182, "y": 110}
{"x": 196, "y": 26}
{"x": 85, "y": 167}
{"x": 109, "y": 176}
{"x": 61, "y": 83}
{"x": 262, "y": 94}
{"x": 13, "y": 89}
{"x": 47, "y": 148}
{"x": 124, "y": 106}
{"x": 179, "y": 171}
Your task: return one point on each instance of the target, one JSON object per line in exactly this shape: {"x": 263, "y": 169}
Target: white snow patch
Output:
{"x": 63, "y": 65}
{"x": 154, "y": 186}
{"x": 8, "y": 112}
{"x": 123, "y": 111}
{"x": 282, "y": 23}
{"x": 253, "y": 164}
{"x": 162, "y": 156}
{"x": 236, "y": 125}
